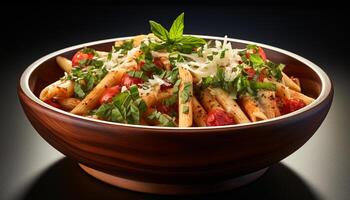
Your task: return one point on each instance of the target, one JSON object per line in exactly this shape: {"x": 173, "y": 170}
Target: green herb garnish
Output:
{"x": 174, "y": 40}
{"x": 163, "y": 119}
{"x": 186, "y": 93}
{"x": 126, "y": 107}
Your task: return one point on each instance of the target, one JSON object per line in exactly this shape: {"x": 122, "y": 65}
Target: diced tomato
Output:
{"x": 157, "y": 62}
{"x": 167, "y": 109}
{"x": 129, "y": 81}
{"x": 79, "y": 56}
{"x": 250, "y": 72}
{"x": 247, "y": 55}
{"x": 109, "y": 94}
{"x": 218, "y": 117}
{"x": 262, "y": 53}
{"x": 141, "y": 63}
{"x": 290, "y": 105}
{"x": 262, "y": 75}
{"x": 53, "y": 103}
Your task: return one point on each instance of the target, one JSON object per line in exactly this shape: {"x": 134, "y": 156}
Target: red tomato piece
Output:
{"x": 247, "y": 55}
{"x": 262, "y": 75}
{"x": 167, "y": 109}
{"x": 157, "y": 62}
{"x": 262, "y": 53}
{"x": 109, "y": 94}
{"x": 79, "y": 56}
{"x": 129, "y": 81}
{"x": 291, "y": 105}
{"x": 250, "y": 72}
{"x": 53, "y": 103}
{"x": 218, "y": 117}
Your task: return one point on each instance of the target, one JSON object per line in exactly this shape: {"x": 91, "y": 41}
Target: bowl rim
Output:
{"x": 326, "y": 86}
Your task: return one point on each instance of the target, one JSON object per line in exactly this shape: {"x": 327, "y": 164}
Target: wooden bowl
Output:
{"x": 175, "y": 160}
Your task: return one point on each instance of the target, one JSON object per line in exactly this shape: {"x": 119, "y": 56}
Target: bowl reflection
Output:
{"x": 65, "y": 180}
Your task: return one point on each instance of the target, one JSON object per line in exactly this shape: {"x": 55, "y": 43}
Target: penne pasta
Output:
{"x": 58, "y": 89}
{"x": 165, "y": 94}
{"x": 64, "y": 63}
{"x": 285, "y": 93}
{"x": 267, "y": 101}
{"x": 185, "y": 98}
{"x": 290, "y": 83}
{"x": 199, "y": 113}
{"x": 151, "y": 97}
{"x": 209, "y": 102}
{"x": 68, "y": 103}
{"x": 251, "y": 107}
{"x": 229, "y": 105}
{"x": 92, "y": 99}
{"x": 138, "y": 39}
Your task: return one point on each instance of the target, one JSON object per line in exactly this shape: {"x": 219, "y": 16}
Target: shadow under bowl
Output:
{"x": 175, "y": 160}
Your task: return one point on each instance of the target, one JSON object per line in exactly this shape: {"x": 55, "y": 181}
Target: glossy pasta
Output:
{"x": 169, "y": 79}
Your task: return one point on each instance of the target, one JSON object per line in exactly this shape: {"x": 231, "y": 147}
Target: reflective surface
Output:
{"x": 31, "y": 169}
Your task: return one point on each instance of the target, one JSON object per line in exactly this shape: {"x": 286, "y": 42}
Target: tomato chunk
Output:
{"x": 80, "y": 56}
{"x": 109, "y": 94}
{"x": 157, "y": 62}
{"x": 262, "y": 53}
{"x": 53, "y": 103}
{"x": 218, "y": 117}
{"x": 291, "y": 105}
{"x": 250, "y": 72}
{"x": 129, "y": 81}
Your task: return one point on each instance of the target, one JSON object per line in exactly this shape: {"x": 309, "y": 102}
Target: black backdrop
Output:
{"x": 31, "y": 169}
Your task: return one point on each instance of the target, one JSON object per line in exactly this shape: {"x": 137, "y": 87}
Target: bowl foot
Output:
{"x": 173, "y": 189}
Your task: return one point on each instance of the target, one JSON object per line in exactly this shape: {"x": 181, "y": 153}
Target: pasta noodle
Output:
{"x": 64, "y": 63}
{"x": 199, "y": 114}
{"x": 185, "y": 105}
{"x": 58, "y": 89}
{"x": 251, "y": 106}
{"x": 230, "y": 105}
{"x": 92, "y": 99}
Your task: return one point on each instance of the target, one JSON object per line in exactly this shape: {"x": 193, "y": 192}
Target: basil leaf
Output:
{"x": 191, "y": 40}
{"x": 163, "y": 119}
{"x": 138, "y": 74}
{"x": 159, "y": 31}
{"x": 90, "y": 82}
{"x": 104, "y": 110}
{"x": 177, "y": 28}
{"x": 134, "y": 92}
{"x": 125, "y": 46}
{"x": 186, "y": 109}
{"x": 116, "y": 115}
{"x": 256, "y": 60}
{"x": 263, "y": 85}
{"x": 150, "y": 67}
{"x": 253, "y": 47}
{"x": 78, "y": 90}
{"x": 186, "y": 92}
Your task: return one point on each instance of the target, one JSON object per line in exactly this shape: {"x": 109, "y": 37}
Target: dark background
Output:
{"x": 31, "y": 169}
